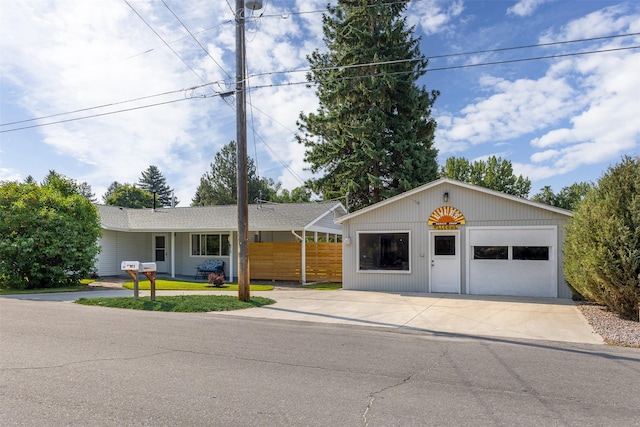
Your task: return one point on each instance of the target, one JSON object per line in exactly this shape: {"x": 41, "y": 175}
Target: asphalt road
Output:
{"x": 66, "y": 364}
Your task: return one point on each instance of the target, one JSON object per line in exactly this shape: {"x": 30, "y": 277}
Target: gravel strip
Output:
{"x": 613, "y": 329}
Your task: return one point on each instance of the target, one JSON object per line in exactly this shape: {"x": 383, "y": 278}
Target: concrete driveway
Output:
{"x": 506, "y": 317}
{"x": 464, "y": 315}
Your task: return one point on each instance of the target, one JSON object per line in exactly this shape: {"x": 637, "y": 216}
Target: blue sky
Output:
{"x": 559, "y": 120}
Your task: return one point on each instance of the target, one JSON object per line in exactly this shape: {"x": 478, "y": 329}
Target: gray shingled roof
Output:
{"x": 269, "y": 217}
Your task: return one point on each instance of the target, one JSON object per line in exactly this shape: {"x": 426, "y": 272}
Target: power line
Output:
{"x": 196, "y": 40}
{"x": 165, "y": 43}
{"x": 97, "y": 115}
{"x": 453, "y": 67}
{"x": 400, "y": 61}
{"x": 107, "y": 105}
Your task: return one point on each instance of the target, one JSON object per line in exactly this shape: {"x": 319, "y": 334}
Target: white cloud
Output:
{"x": 604, "y": 22}
{"x": 434, "y": 16}
{"x": 525, "y": 7}
{"x": 584, "y": 109}
{"x": 515, "y": 109}
{"x": 9, "y": 174}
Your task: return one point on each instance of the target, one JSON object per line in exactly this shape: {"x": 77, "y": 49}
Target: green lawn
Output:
{"x": 181, "y": 303}
{"x": 184, "y": 285}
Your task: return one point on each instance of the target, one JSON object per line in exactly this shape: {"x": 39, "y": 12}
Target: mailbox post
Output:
{"x": 149, "y": 270}
{"x": 132, "y": 267}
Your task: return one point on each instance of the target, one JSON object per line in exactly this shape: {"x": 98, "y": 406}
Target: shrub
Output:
{"x": 602, "y": 245}
{"x": 47, "y": 238}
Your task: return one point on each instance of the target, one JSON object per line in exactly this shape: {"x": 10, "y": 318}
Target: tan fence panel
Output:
{"x": 275, "y": 261}
{"x": 324, "y": 261}
{"x": 283, "y": 261}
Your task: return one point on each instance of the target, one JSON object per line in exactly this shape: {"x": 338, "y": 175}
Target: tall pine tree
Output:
{"x": 219, "y": 186}
{"x": 372, "y": 135}
{"x": 153, "y": 181}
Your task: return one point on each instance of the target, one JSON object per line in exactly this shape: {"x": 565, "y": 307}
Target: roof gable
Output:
{"x": 440, "y": 182}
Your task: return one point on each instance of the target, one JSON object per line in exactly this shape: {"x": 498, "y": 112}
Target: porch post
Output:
{"x": 231, "y": 252}
{"x": 304, "y": 256}
{"x": 173, "y": 254}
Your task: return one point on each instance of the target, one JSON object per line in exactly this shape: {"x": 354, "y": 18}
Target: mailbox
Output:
{"x": 147, "y": 266}
{"x": 130, "y": 265}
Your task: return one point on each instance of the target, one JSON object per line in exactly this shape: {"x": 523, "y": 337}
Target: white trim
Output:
{"x": 358, "y": 233}
{"x": 205, "y": 233}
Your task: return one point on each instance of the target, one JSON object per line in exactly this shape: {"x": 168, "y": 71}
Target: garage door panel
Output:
{"x": 512, "y": 277}
{"x": 513, "y": 237}
{"x": 535, "y": 278}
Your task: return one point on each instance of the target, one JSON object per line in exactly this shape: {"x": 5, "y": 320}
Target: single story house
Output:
{"x": 179, "y": 239}
{"x": 450, "y": 236}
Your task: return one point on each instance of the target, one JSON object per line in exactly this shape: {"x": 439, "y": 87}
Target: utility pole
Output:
{"x": 241, "y": 150}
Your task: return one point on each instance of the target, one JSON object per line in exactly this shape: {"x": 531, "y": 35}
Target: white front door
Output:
{"x": 160, "y": 252}
{"x": 445, "y": 261}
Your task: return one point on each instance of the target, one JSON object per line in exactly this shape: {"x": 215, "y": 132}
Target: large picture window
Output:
{"x": 209, "y": 244}
{"x": 383, "y": 251}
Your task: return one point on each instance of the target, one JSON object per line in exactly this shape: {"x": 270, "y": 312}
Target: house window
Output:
{"x": 490, "y": 252}
{"x": 209, "y": 244}
{"x": 383, "y": 251}
{"x": 533, "y": 253}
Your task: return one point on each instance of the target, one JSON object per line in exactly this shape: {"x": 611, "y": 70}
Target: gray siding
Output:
{"x": 412, "y": 213}
{"x": 117, "y": 247}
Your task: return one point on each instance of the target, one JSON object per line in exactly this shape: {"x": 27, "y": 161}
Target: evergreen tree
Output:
{"x": 372, "y": 135}
{"x": 602, "y": 244}
{"x": 153, "y": 181}
{"x": 219, "y": 186}
{"x": 110, "y": 190}
{"x": 495, "y": 174}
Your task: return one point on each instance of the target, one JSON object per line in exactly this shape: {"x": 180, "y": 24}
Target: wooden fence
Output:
{"x": 283, "y": 261}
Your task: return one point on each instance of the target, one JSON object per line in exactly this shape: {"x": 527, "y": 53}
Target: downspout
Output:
{"x": 304, "y": 254}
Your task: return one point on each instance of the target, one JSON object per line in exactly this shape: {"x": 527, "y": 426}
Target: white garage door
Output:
{"x": 512, "y": 261}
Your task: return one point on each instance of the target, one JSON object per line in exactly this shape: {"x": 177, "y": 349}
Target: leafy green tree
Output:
{"x": 372, "y": 135}
{"x": 152, "y": 180}
{"x": 129, "y": 196}
{"x": 568, "y": 198}
{"x": 297, "y": 195}
{"x": 68, "y": 186}
{"x": 219, "y": 186}
{"x": 545, "y": 195}
{"x": 47, "y": 238}
{"x": 602, "y": 244}
{"x": 494, "y": 173}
